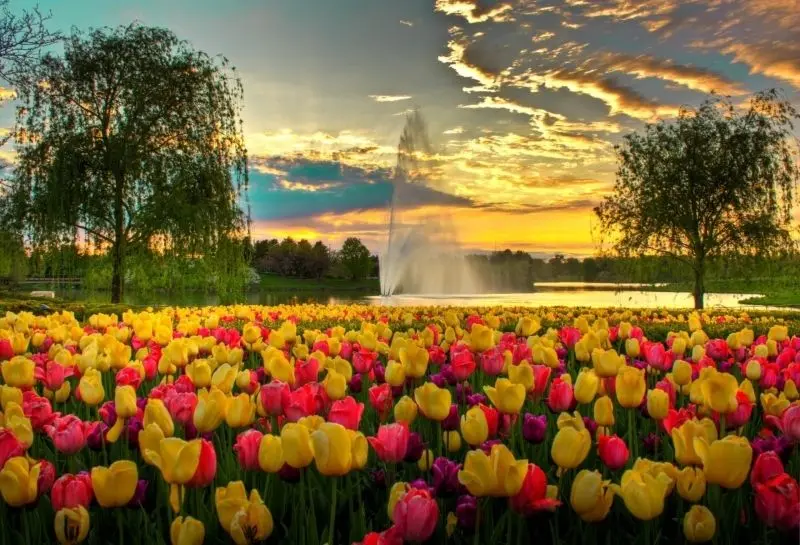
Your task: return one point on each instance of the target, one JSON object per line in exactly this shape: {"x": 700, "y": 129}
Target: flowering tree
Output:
{"x": 133, "y": 139}
{"x": 717, "y": 181}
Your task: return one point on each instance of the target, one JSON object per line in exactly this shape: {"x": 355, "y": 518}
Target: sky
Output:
{"x": 524, "y": 100}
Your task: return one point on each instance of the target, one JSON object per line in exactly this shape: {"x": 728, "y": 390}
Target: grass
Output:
{"x": 282, "y": 283}
{"x": 773, "y": 291}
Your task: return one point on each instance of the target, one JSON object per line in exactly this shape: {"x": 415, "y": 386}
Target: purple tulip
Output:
{"x": 452, "y": 421}
{"x": 463, "y": 392}
{"x": 355, "y": 383}
{"x": 397, "y": 391}
{"x": 379, "y": 478}
{"x": 652, "y": 443}
{"x": 141, "y": 402}
{"x": 534, "y": 427}
{"x": 445, "y": 475}
{"x": 132, "y": 428}
{"x": 261, "y": 375}
{"x": 108, "y": 413}
{"x": 476, "y": 399}
{"x": 139, "y": 495}
{"x": 289, "y": 474}
{"x": 467, "y": 511}
{"x": 420, "y": 484}
{"x": 380, "y": 372}
{"x": 415, "y": 447}
{"x": 590, "y": 424}
{"x": 439, "y": 380}
{"x": 487, "y": 445}
{"x": 447, "y": 373}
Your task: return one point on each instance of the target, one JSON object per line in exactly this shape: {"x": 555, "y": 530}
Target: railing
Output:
{"x": 53, "y": 280}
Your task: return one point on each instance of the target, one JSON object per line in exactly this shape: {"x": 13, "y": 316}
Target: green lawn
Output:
{"x": 776, "y": 291}
{"x": 271, "y": 282}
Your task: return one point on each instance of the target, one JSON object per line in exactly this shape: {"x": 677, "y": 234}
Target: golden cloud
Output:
{"x": 469, "y": 10}
{"x": 389, "y": 98}
{"x": 457, "y": 61}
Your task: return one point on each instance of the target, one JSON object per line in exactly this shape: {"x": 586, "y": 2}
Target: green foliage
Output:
{"x": 715, "y": 182}
{"x": 290, "y": 258}
{"x": 133, "y": 138}
{"x": 355, "y": 257}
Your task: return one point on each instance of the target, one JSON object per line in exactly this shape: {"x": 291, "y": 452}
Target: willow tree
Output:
{"x": 718, "y": 181}
{"x": 134, "y": 139}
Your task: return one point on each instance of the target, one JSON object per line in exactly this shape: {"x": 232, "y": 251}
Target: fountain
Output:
{"x": 422, "y": 254}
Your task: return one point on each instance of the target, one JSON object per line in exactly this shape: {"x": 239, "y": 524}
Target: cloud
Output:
{"x": 781, "y": 61}
{"x": 469, "y": 10}
{"x": 456, "y": 59}
{"x": 7, "y": 94}
{"x": 543, "y": 36}
{"x": 389, "y": 98}
{"x": 454, "y": 130}
{"x": 407, "y": 23}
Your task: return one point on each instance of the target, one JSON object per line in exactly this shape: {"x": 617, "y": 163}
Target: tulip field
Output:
{"x": 312, "y": 424}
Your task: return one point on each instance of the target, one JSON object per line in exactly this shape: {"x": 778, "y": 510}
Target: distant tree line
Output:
{"x": 301, "y": 259}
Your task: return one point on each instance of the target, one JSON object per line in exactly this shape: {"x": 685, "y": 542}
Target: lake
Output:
{"x": 570, "y": 294}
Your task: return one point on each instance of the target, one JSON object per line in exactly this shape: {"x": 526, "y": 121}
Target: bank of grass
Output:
{"x": 271, "y": 282}
{"x": 17, "y": 302}
{"x": 772, "y": 291}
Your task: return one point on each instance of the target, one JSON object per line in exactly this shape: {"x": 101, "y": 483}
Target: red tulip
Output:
{"x": 561, "y": 396}
{"x": 767, "y": 466}
{"x": 206, "y": 466}
{"x": 462, "y": 363}
{"x": 252, "y": 386}
{"x": 788, "y": 423}
{"x": 532, "y": 496}
{"x": 47, "y": 474}
{"x": 246, "y": 449}
{"x": 363, "y": 360}
{"x": 52, "y": 375}
{"x": 570, "y": 336}
{"x": 71, "y": 491}
{"x": 300, "y": 403}
{"x": 128, "y": 376}
{"x": 183, "y": 384}
{"x": 346, "y": 350}
{"x": 37, "y": 409}
{"x": 322, "y": 346}
{"x": 181, "y": 406}
{"x": 274, "y": 396}
{"x": 612, "y": 451}
{"x": 654, "y": 354}
{"x": 436, "y": 354}
{"x": 68, "y": 433}
{"x": 306, "y": 371}
{"x": 675, "y": 419}
{"x": 492, "y": 361}
{"x": 492, "y": 418}
{"x": 778, "y": 502}
{"x": 10, "y": 446}
{"x": 521, "y": 352}
{"x": 380, "y": 397}
{"x": 346, "y": 412}
{"x": 741, "y": 415}
{"x": 6, "y": 350}
{"x": 541, "y": 377}
{"x": 387, "y": 537}
{"x": 391, "y": 442}
{"x": 416, "y": 515}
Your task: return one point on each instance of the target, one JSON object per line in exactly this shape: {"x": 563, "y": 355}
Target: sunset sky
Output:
{"x": 524, "y": 100}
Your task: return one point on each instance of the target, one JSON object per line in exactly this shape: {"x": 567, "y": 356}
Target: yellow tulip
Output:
{"x": 508, "y": 398}
{"x": 224, "y": 376}
{"x": 778, "y": 333}
{"x": 296, "y": 442}
{"x": 187, "y": 531}
{"x": 452, "y": 440}
{"x": 434, "y": 402}
{"x": 279, "y": 367}
{"x": 18, "y": 424}
{"x": 91, "y": 388}
{"x": 212, "y": 406}
{"x": 125, "y": 401}
{"x": 681, "y": 372}
{"x": 774, "y": 405}
{"x": 19, "y": 481}
{"x": 474, "y": 426}
{"x": 683, "y": 439}
{"x": 425, "y": 461}
{"x": 630, "y": 387}
{"x": 761, "y": 351}
{"x": 155, "y": 412}
{"x": 150, "y": 441}
{"x": 691, "y": 484}
{"x": 396, "y": 493}
{"x": 10, "y": 394}
{"x": 632, "y": 348}
{"x": 200, "y": 373}
{"x": 726, "y": 462}
{"x": 405, "y": 410}
{"x": 115, "y": 485}
{"x": 19, "y": 343}
{"x": 414, "y": 359}
{"x": 18, "y": 372}
{"x": 699, "y": 524}
{"x": 497, "y": 474}
{"x": 790, "y": 390}
{"x": 521, "y": 374}
{"x": 72, "y": 525}
{"x": 606, "y": 362}
{"x": 359, "y": 449}
{"x": 177, "y": 459}
{"x": 332, "y": 450}
{"x": 527, "y": 326}
{"x": 698, "y": 352}
{"x": 753, "y": 370}
{"x": 335, "y": 385}
{"x": 643, "y": 493}
{"x": 395, "y": 374}
{"x": 240, "y": 412}
{"x": 591, "y": 497}
{"x": 657, "y": 404}
{"x": 481, "y": 338}
{"x": 270, "y": 453}
{"x": 586, "y": 386}
{"x": 719, "y": 391}
{"x": 252, "y": 523}
{"x": 570, "y": 447}
{"x": 604, "y": 411}
{"x": 229, "y": 500}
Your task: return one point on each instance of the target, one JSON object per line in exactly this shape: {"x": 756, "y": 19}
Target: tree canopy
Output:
{"x": 356, "y": 258}
{"x": 717, "y": 181}
{"x": 133, "y": 139}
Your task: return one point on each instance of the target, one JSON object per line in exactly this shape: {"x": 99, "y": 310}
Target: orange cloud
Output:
{"x": 469, "y": 10}
{"x": 781, "y": 61}
{"x": 456, "y": 59}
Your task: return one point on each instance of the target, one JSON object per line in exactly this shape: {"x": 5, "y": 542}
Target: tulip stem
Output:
{"x": 119, "y": 527}
{"x": 332, "y": 521}
{"x": 477, "y": 538}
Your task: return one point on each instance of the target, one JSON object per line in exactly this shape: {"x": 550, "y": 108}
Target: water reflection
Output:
{"x": 579, "y": 296}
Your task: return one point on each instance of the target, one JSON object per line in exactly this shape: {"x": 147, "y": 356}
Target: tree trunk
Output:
{"x": 117, "y": 273}
{"x": 699, "y": 289}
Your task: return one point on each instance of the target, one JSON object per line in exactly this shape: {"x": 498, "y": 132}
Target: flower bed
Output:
{"x": 338, "y": 424}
